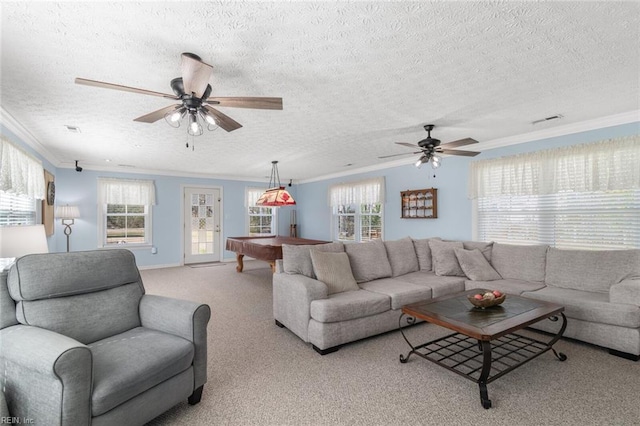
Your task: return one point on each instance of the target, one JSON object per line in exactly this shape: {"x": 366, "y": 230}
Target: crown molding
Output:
{"x": 27, "y": 137}
{"x": 567, "y": 129}
{"x": 154, "y": 172}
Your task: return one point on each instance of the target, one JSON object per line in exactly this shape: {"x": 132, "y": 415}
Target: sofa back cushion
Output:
{"x": 368, "y": 260}
{"x": 297, "y": 260}
{"x": 87, "y": 296}
{"x": 518, "y": 262}
{"x": 485, "y": 248}
{"x": 402, "y": 256}
{"x": 445, "y": 262}
{"x": 589, "y": 270}
{"x": 423, "y": 252}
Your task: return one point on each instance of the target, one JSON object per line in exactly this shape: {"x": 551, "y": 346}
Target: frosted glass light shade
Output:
{"x": 16, "y": 241}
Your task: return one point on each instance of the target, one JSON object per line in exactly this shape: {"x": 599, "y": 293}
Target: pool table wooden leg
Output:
{"x": 240, "y": 264}
{"x": 273, "y": 266}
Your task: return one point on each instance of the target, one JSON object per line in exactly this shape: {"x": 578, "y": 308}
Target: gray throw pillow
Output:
{"x": 368, "y": 260}
{"x": 297, "y": 260}
{"x": 445, "y": 262}
{"x": 423, "y": 251}
{"x": 475, "y": 265}
{"x": 334, "y": 270}
{"x": 402, "y": 256}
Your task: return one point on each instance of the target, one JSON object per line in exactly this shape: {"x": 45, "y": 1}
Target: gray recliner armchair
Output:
{"x": 81, "y": 343}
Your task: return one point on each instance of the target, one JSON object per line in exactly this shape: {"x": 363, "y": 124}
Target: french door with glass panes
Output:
{"x": 201, "y": 225}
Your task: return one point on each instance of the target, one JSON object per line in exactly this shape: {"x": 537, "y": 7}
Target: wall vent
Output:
{"x": 553, "y": 117}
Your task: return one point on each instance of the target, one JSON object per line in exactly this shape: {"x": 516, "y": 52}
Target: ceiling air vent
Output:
{"x": 72, "y": 129}
{"x": 553, "y": 117}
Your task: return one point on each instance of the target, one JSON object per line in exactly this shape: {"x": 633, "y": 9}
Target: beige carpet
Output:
{"x": 260, "y": 374}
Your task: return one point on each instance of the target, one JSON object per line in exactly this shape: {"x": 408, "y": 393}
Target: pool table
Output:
{"x": 267, "y": 248}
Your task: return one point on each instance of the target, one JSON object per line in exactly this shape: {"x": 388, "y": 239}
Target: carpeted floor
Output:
{"x": 260, "y": 374}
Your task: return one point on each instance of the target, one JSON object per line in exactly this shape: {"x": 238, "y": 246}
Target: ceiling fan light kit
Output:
{"x": 275, "y": 196}
{"x": 193, "y": 91}
{"x": 430, "y": 149}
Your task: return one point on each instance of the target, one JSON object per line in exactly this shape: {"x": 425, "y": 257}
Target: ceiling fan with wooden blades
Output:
{"x": 193, "y": 92}
{"x": 431, "y": 147}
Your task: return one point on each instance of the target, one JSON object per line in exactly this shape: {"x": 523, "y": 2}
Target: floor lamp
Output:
{"x": 67, "y": 214}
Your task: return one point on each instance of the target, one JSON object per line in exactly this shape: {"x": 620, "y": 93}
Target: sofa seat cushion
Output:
{"x": 132, "y": 362}
{"x": 349, "y": 305}
{"x": 440, "y": 286}
{"x": 589, "y": 306}
{"x": 509, "y": 286}
{"x": 401, "y": 292}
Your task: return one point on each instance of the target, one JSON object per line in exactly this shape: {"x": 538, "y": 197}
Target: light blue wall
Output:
{"x": 454, "y": 208}
{"x": 313, "y": 212}
{"x": 81, "y": 189}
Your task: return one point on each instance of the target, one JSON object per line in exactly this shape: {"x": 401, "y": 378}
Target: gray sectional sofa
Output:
{"x": 600, "y": 290}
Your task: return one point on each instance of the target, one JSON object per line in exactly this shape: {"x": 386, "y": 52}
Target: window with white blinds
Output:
{"x": 17, "y": 209}
{"x": 595, "y": 220}
{"x": 585, "y": 196}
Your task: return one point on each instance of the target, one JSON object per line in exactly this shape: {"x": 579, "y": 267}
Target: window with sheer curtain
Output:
{"x": 21, "y": 185}
{"x": 125, "y": 211}
{"x": 261, "y": 221}
{"x": 584, "y": 196}
{"x": 357, "y": 210}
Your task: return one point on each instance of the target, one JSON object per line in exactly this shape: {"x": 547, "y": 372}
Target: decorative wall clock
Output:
{"x": 51, "y": 193}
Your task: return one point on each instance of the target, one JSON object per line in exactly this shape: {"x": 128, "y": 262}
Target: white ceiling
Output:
{"x": 355, "y": 77}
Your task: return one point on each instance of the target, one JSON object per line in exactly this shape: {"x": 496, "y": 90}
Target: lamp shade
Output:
{"x": 16, "y": 241}
{"x": 67, "y": 212}
{"x": 276, "y": 197}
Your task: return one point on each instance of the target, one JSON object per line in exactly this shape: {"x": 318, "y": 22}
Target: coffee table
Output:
{"x": 484, "y": 346}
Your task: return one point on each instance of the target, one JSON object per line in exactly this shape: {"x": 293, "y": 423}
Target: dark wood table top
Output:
{"x": 455, "y": 312}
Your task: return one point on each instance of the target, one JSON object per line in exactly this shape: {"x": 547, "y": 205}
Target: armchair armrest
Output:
{"x": 626, "y": 291}
{"x": 182, "y": 318}
{"x": 292, "y": 297}
{"x": 47, "y": 377}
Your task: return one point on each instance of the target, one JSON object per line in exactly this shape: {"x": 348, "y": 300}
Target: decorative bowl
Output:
{"x": 486, "y": 303}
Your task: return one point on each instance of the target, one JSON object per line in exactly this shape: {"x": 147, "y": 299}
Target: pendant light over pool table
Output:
{"x": 275, "y": 196}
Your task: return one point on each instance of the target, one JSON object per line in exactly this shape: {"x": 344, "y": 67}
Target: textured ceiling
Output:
{"x": 355, "y": 77}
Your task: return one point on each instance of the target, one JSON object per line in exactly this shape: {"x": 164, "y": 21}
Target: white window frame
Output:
{"x": 358, "y": 216}
{"x": 356, "y": 195}
{"x": 580, "y": 197}
{"x": 148, "y": 242}
{"x": 143, "y": 195}
{"x": 251, "y": 196}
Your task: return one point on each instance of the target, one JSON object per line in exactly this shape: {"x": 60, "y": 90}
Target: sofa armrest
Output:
{"x": 182, "y": 318}
{"x": 292, "y": 297}
{"x": 626, "y": 291}
{"x": 47, "y": 377}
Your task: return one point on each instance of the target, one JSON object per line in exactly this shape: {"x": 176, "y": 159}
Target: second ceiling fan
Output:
{"x": 193, "y": 92}
{"x": 431, "y": 147}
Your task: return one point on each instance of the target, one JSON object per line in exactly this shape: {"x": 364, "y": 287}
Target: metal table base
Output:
{"x": 482, "y": 361}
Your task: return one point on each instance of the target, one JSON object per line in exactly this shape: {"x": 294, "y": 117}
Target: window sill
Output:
{"x": 127, "y": 246}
